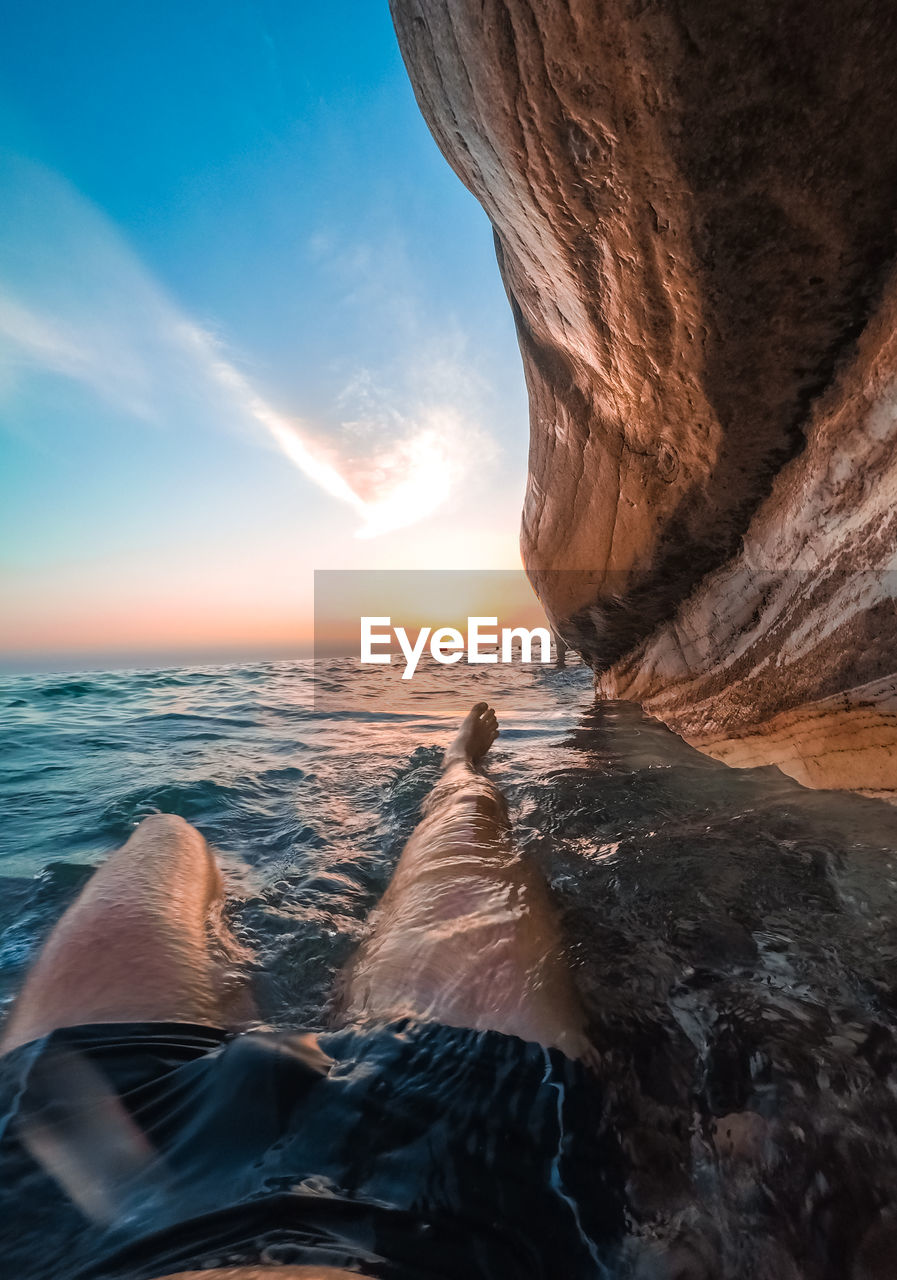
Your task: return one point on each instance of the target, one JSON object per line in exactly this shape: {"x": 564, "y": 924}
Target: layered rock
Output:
{"x": 694, "y": 208}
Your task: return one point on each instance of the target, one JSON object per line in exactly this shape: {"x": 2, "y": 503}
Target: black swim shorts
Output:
{"x": 412, "y": 1150}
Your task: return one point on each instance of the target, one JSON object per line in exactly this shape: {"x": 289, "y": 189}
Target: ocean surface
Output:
{"x": 733, "y": 935}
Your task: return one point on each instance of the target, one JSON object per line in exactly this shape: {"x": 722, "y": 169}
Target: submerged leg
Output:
{"x": 466, "y": 934}
{"x": 138, "y": 944}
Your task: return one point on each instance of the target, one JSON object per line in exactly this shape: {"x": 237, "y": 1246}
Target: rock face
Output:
{"x": 695, "y": 208}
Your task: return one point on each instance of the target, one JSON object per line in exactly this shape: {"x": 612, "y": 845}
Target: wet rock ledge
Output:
{"x": 695, "y": 213}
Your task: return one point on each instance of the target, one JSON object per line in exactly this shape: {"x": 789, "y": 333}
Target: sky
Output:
{"x": 251, "y": 326}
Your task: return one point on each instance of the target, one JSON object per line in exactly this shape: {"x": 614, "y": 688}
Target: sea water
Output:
{"x": 733, "y": 935}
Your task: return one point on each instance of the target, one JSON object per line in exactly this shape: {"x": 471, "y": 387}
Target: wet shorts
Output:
{"x": 412, "y": 1150}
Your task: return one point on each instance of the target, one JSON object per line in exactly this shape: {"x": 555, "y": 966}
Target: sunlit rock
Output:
{"x": 695, "y": 208}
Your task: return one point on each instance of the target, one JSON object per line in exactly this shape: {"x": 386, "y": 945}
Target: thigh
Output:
{"x": 142, "y": 942}
{"x": 466, "y": 933}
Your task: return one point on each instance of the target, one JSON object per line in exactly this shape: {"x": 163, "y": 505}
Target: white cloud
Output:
{"x": 77, "y": 303}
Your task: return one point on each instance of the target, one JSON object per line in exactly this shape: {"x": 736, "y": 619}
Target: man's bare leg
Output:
{"x": 466, "y": 934}
{"x": 138, "y": 944}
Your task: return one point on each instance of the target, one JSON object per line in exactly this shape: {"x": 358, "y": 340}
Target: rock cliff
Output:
{"x": 694, "y": 208}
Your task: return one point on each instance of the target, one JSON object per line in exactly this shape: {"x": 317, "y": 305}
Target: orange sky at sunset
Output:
{"x": 216, "y": 599}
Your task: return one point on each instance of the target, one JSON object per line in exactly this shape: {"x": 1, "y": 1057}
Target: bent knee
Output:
{"x": 167, "y": 826}
{"x": 166, "y": 856}
{"x": 168, "y": 837}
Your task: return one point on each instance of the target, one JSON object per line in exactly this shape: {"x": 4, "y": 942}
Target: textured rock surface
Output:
{"x": 694, "y": 206}
{"x": 786, "y": 654}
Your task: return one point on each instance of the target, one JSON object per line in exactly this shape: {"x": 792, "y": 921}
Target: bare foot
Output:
{"x": 478, "y": 731}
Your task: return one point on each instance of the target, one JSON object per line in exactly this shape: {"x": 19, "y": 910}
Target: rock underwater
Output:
{"x": 695, "y": 214}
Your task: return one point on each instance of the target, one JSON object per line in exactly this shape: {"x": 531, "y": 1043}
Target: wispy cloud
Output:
{"x": 76, "y": 302}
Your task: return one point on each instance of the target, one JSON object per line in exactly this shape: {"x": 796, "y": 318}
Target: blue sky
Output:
{"x": 246, "y": 312}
